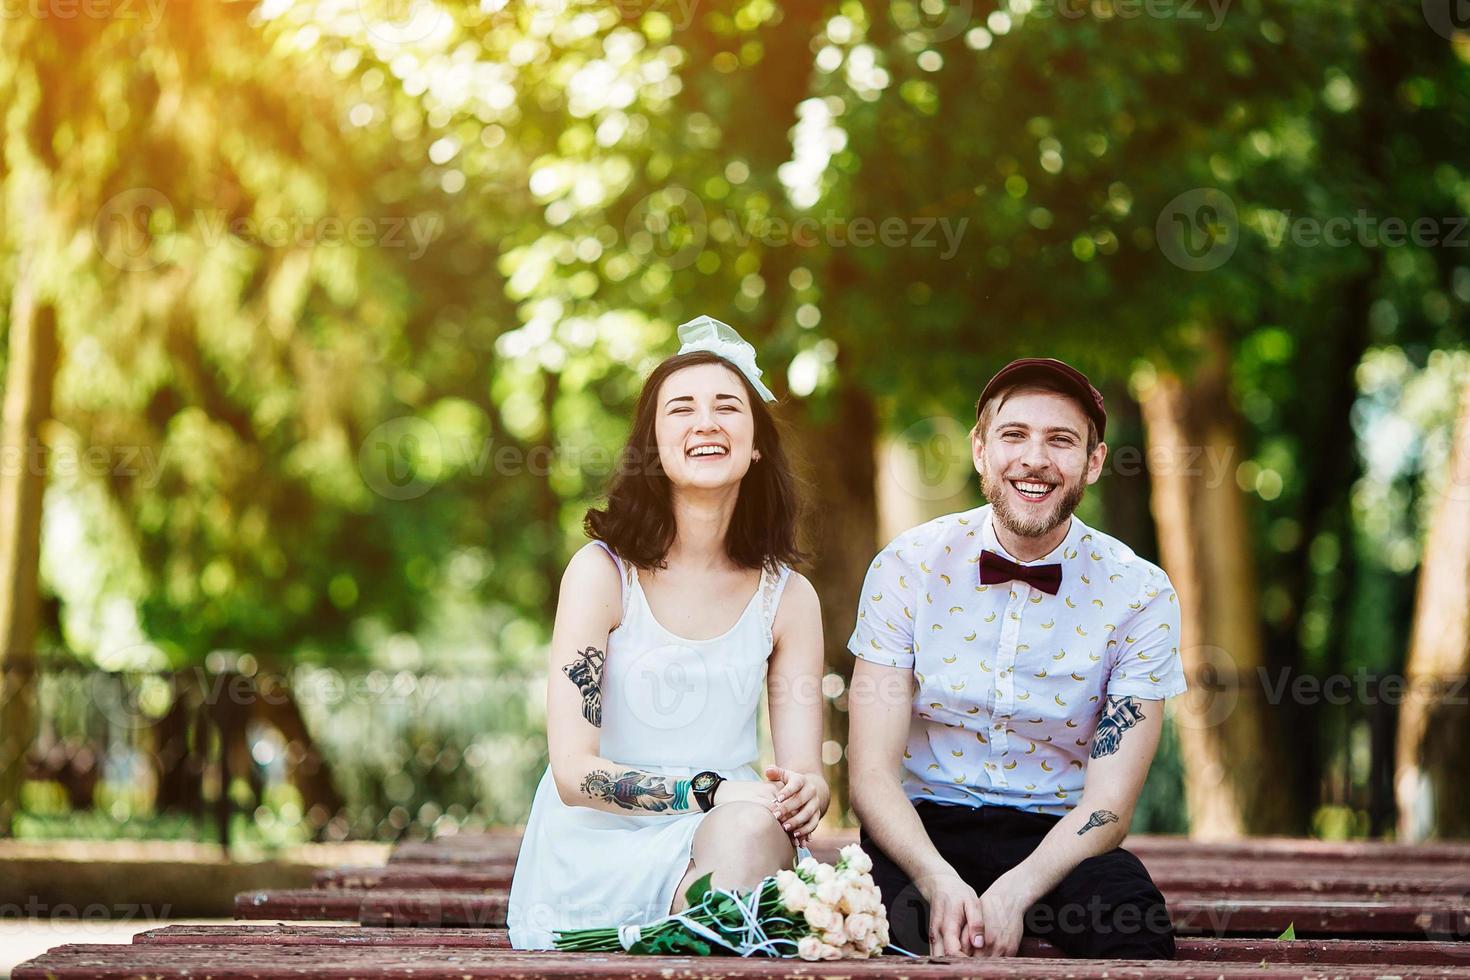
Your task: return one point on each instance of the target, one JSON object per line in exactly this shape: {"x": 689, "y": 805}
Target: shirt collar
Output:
{"x": 989, "y": 540}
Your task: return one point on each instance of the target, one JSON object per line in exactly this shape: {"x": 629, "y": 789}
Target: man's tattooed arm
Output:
{"x": 586, "y": 673}
{"x": 1120, "y": 714}
{"x": 1098, "y": 818}
{"x": 633, "y": 789}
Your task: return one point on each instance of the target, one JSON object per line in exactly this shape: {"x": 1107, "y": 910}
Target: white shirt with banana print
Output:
{"x": 1012, "y": 681}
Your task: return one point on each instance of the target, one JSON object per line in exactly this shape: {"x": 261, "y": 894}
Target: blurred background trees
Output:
{"x": 325, "y": 320}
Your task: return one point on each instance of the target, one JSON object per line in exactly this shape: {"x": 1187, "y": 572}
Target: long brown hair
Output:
{"x": 638, "y": 519}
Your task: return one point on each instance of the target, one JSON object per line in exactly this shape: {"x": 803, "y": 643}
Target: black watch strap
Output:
{"x": 706, "y": 797}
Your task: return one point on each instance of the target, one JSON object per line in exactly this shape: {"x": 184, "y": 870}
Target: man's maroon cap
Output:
{"x": 1053, "y": 374}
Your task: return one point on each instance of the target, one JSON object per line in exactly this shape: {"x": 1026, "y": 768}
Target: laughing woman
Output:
{"x": 668, "y": 624}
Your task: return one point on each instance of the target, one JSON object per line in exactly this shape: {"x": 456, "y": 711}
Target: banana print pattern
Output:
{"x": 1010, "y": 681}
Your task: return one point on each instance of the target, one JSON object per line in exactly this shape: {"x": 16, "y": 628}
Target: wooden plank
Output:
{"x": 323, "y": 935}
{"x": 1254, "y": 847}
{"x": 1344, "y": 885}
{"x": 1156, "y": 851}
{"x": 386, "y": 907}
{"x": 491, "y": 874}
{"x": 1384, "y": 951}
{"x": 161, "y": 962}
{"x": 1252, "y": 914}
{"x": 1338, "y": 879}
{"x": 1405, "y": 916}
{"x": 379, "y": 907}
{"x": 1276, "y": 848}
{"x": 299, "y": 903}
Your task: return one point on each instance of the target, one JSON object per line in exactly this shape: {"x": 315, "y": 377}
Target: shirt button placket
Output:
{"x": 1005, "y": 680}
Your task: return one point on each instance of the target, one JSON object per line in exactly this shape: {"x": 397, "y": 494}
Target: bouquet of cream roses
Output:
{"x": 815, "y": 911}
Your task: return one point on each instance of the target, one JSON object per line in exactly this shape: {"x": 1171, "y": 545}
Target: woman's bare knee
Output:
{"x": 741, "y": 843}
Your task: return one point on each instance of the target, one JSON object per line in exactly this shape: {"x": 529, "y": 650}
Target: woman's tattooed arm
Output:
{"x": 633, "y": 789}
{"x": 586, "y": 673}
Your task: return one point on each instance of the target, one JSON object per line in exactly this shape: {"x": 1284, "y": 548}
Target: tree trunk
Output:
{"x": 1434, "y": 721}
{"x": 836, "y": 449}
{"x": 1237, "y": 774}
{"x": 178, "y": 751}
{"x": 29, "y": 376}
{"x": 306, "y": 766}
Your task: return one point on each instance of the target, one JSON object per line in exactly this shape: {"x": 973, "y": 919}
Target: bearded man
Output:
{"x": 1008, "y": 697}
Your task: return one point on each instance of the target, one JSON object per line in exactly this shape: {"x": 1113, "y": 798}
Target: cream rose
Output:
{"x": 819, "y": 915}
{"x": 809, "y": 948}
{"x": 830, "y": 892}
{"x": 796, "y": 897}
{"x": 857, "y": 859}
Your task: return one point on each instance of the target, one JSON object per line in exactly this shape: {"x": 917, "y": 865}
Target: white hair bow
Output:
{"x": 707, "y": 333}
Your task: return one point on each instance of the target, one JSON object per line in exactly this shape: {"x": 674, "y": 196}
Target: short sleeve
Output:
{"x": 1149, "y": 666}
{"x": 884, "y": 633}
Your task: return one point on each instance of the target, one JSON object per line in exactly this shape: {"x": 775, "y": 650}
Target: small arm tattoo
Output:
{"x": 1098, "y": 818}
{"x": 586, "y": 673}
{"x": 633, "y": 789}
{"x": 1120, "y": 715}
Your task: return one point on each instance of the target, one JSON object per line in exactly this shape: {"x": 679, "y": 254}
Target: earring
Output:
{"x": 755, "y": 457}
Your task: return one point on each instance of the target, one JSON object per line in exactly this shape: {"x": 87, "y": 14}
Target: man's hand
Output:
{"x": 955, "y": 914}
{"x": 1003, "y": 911}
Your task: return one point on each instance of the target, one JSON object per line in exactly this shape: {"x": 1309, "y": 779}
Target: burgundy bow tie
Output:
{"x": 995, "y": 569}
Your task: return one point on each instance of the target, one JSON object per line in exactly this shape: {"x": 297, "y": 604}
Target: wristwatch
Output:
{"x": 704, "y": 785}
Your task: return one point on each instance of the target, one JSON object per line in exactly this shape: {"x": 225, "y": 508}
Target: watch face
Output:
{"x": 704, "y": 782}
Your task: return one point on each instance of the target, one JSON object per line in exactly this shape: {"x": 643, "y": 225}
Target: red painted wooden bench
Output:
{"x": 1189, "y": 948}
{"x": 230, "y": 962}
{"x": 1364, "y": 909}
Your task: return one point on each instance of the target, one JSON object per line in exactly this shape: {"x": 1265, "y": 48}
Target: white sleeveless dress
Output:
{"x": 669, "y": 704}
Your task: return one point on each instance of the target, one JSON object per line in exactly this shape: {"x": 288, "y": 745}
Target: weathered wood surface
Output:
{"x": 1349, "y": 878}
{"x": 490, "y": 874}
{"x": 1214, "y": 950}
{"x": 164, "y": 961}
{"x": 1363, "y": 909}
{"x": 324, "y": 935}
{"x": 1400, "y": 915}
{"x": 507, "y": 842}
{"x": 378, "y": 907}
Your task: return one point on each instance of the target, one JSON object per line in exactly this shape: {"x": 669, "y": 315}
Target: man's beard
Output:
{"x": 1031, "y": 527}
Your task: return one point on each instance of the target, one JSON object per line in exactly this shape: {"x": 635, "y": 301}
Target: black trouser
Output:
{"x": 1105, "y": 908}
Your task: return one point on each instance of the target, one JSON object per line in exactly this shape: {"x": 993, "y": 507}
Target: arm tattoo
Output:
{"x": 586, "y": 673}
{"x": 632, "y": 789}
{"x": 1098, "y": 818}
{"x": 1120, "y": 715}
